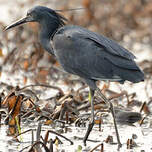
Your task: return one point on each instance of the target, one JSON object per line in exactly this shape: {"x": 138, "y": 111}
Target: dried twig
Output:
{"x": 51, "y": 131}
{"x": 44, "y": 85}
{"x": 97, "y": 147}
{"x": 39, "y": 143}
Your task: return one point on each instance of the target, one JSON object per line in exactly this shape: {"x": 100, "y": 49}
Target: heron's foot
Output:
{"x": 90, "y": 126}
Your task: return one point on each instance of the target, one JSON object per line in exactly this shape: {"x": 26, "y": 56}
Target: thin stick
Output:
{"x": 24, "y": 148}
{"x": 96, "y": 147}
{"x": 23, "y": 133}
{"x": 38, "y": 143}
{"x": 51, "y": 131}
{"x": 44, "y": 85}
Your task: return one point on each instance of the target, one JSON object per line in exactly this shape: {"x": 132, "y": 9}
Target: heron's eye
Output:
{"x": 28, "y": 14}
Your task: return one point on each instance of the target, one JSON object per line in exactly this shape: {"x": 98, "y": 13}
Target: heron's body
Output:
{"x": 84, "y": 53}
{"x": 93, "y": 56}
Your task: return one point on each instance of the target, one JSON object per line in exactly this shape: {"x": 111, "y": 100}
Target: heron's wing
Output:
{"x": 78, "y": 53}
{"x": 109, "y": 45}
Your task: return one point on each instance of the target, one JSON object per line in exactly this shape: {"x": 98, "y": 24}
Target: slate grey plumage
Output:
{"x": 93, "y": 56}
{"x": 84, "y": 53}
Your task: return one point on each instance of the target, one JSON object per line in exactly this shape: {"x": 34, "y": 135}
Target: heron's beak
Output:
{"x": 19, "y": 22}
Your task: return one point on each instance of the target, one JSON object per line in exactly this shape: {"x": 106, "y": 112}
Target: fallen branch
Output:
{"x": 44, "y": 85}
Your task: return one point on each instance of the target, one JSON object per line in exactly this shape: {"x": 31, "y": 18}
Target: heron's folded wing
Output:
{"x": 110, "y": 45}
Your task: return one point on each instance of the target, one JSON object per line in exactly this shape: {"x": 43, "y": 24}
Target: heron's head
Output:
{"x": 40, "y": 14}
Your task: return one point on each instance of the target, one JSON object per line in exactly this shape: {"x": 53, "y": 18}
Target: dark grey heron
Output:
{"x": 87, "y": 54}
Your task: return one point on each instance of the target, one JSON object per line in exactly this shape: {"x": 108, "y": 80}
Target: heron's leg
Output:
{"x": 91, "y": 123}
{"x": 113, "y": 114}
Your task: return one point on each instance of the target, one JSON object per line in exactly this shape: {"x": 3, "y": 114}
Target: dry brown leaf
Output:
{"x": 1, "y": 52}
{"x": 48, "y": 122}
{"x": 26, "y": 65}
{"x": 25, "y": 80}
{"x": 5, "y": 101}
{"x": 98, "y": 121}
{"x": 38, "y": 109}
{"x": 56, "y": 64}
{"x": 146, "y": 109}
{"x": 11, "y": 131}
{"x": 11, "y": 103}
{"x": 14, "y": 105}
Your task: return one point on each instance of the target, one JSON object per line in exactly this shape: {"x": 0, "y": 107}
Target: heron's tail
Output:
{"x": 134, "y": 76}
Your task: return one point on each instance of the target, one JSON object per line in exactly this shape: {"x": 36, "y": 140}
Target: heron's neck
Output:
{"x": 46, "y": 34}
